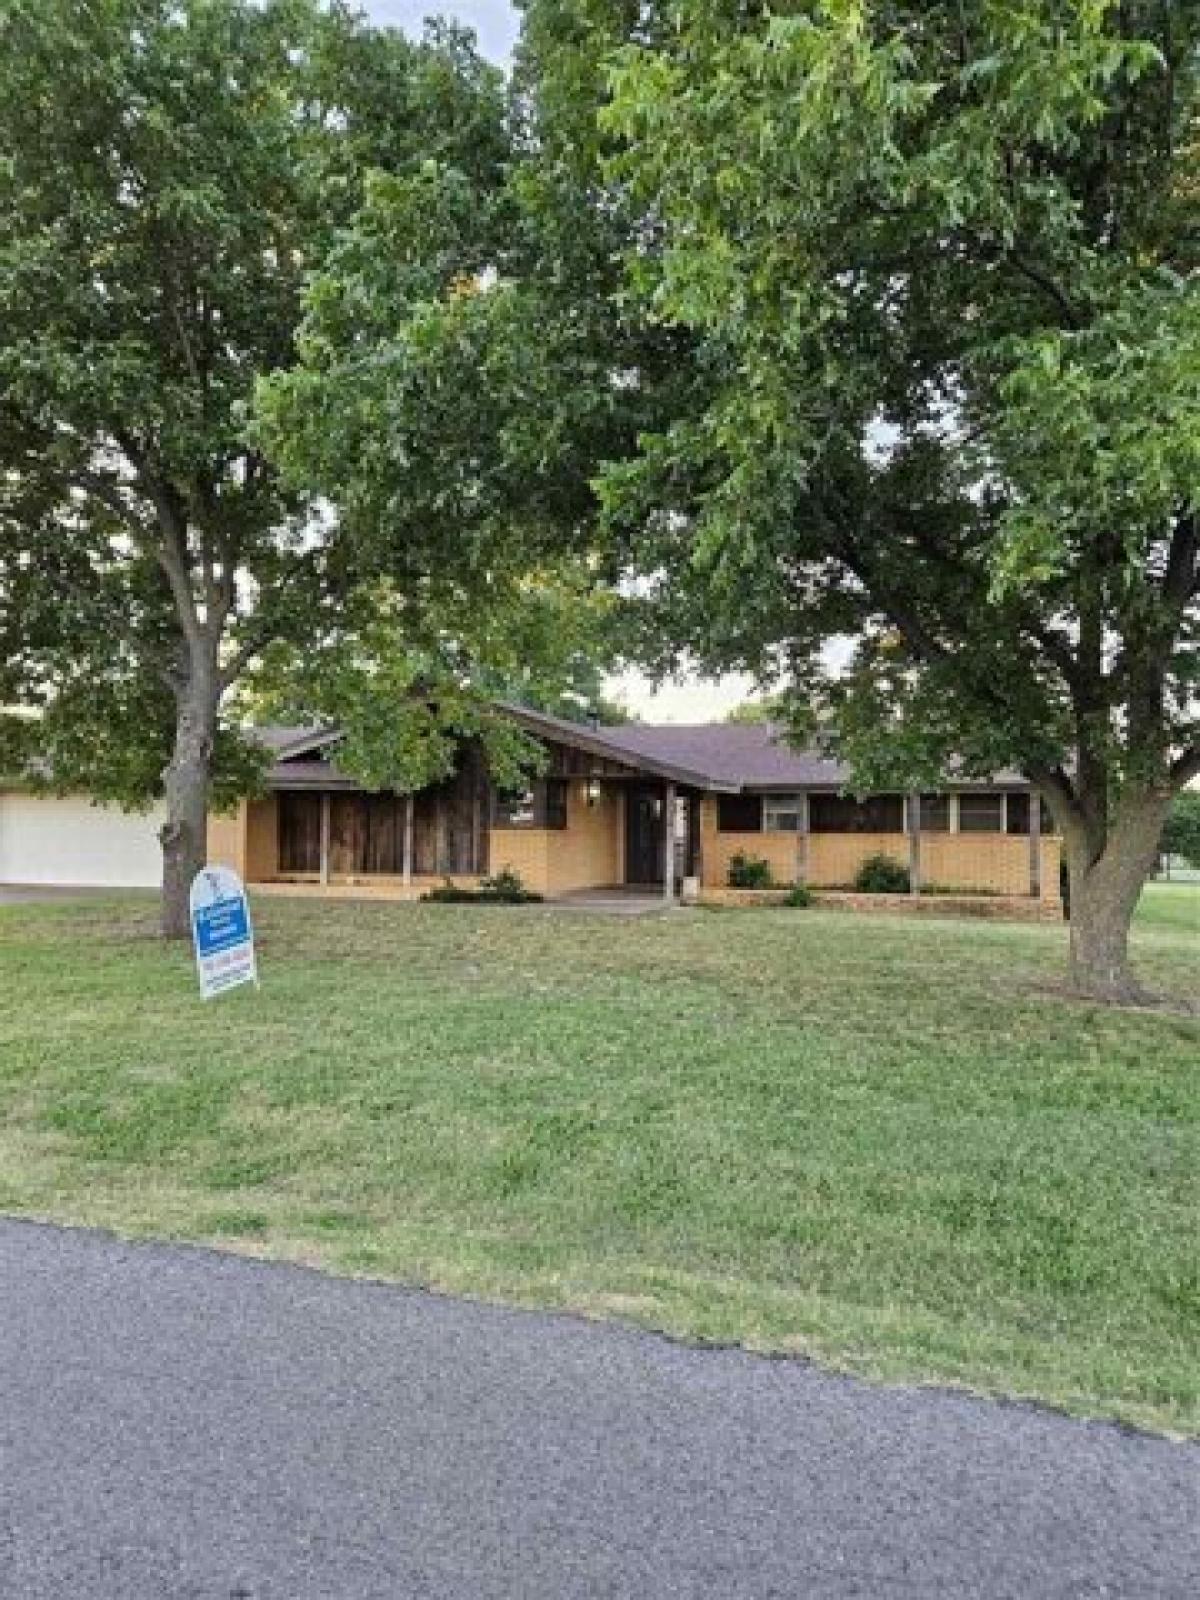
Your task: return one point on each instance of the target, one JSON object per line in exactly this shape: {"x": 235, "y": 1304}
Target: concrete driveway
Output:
{"x": 181, "y": 1425}
{"x": 27, "y": 893}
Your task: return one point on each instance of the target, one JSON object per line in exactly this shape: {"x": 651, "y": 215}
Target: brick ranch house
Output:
{"x": 601, "y": 815}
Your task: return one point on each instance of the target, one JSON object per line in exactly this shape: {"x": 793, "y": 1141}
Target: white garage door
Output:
{"x": 72, "y": 842}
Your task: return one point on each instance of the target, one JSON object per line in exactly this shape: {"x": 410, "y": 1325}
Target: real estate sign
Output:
{"x": 221, "y": 931}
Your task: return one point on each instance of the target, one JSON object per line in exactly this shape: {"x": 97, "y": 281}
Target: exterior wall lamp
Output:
{"x": 592, "y": 790}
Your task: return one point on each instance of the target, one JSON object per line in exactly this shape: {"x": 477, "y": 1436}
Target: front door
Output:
{"x": 645, "y": 833}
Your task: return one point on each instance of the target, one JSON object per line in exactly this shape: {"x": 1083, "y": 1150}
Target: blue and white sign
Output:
{"x": 221, "y": 931}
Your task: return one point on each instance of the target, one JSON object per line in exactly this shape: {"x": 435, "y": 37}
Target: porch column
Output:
{"x": 914, "y": 843}
{"x": 325, "y": 837}
{"x": 1035, "y": 844}
{"x": 406, "y": 860}
{"x": 802, "y": 830}
{"x": 669, "y": 845}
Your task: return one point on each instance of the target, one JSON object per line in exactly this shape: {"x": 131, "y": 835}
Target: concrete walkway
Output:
{"x": 181, "y": 1425}
{"x": 616, "y": 902}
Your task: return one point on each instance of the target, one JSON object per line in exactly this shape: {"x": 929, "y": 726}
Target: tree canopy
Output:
{"x": 942, "y": 265}
{"x": 170, "y": 176}
{"x": 1181, "y": 831}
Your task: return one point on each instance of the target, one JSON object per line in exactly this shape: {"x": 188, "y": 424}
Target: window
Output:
{"x": 980, "y": 813}
{"x": 1017, "y": 818}
{"x": 516, "y": 808}
{"x": 299, "y": 832}
{"x": 838, "y": 813}
{"x": 544, "y": 805}
{"x": 739, "y": 813}
{"x": 782, "y": 813}
{"x": 556, "y": 803}
{"x": 935, "y": 813}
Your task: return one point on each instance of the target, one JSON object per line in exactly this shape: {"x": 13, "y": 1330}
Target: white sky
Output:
{"x": 496, "y": 24}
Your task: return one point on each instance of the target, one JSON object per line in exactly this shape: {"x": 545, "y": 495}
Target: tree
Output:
{"x": 767, "y": 708}
{"x": 942, "y": 266}
{"x": 470, "y": 356}
{"x": 1181, "y": 831}
{"x": 405, "y": 688}
{"x": 169, "y": 176}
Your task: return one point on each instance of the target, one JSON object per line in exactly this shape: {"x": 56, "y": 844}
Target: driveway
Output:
{"x": 31, "y": 893}
{"x": 181, "y": 1425}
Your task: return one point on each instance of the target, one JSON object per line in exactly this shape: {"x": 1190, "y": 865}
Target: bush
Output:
{"x": 506, "y": 885}
{"x": 502, "y": 888}
{"x": 798, "y": 896}
{"x": 881, "y": 874}
{"x": 749, "y": 872}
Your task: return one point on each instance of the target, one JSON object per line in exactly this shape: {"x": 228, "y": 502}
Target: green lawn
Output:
{"x": 884, "y": 1141}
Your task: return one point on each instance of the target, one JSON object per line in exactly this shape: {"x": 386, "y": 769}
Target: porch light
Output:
{"x": 592, "y": 790}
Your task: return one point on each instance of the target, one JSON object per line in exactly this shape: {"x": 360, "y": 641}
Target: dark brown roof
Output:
{"x": 750, "y": 755}
{"x": 614, "y": 744}
{"x": 726, "y": 756}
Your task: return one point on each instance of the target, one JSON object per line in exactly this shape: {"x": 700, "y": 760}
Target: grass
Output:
{"x": 887, "y": 1143}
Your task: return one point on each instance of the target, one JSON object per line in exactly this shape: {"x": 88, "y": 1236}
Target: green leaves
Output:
{"x": 170, "y": 177}
{"x": 940, "y": 266}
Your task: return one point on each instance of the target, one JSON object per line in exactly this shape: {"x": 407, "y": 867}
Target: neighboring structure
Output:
{"x": 600, "y": 817}
{"x": 66, "y": 840}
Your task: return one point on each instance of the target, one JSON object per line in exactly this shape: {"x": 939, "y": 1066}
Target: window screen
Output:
{"x": 543, "y": 805}
{"x": 980, "y": 813}
{"x": 837, "y": 813}
{"x": 739, "y": 813}
{"x": 1018, "y": 813}
{"x": 516, "y": 808}
{"x": 782, "y": 813}
{"x": 935, "y": 813}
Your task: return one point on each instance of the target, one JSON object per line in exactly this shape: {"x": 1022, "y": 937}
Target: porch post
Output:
{"x": 407, "y": 856}
{"x": 914, "y": 843}
{"x": 802, "y": 828}
{"x": 669, "y": 845}
{"x": 1035, "y": 844}
{"x": 325, "y": 836}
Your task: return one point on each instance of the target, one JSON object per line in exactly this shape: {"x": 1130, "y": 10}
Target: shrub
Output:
{"x": 749, "y": 872}
{"x": 451, "y": 894}
{"x": 799, "y": 896}
{"x": 502, "y": 888}
{"x": 506, "y": 885}
{"x": 882, "y": 874}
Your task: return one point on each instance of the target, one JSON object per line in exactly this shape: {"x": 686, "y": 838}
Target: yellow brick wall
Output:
{"x": 1051, "y": 858}
{"x": 227, "y": 839}
{"x": 586, "y": 854}
{"x": 778, "y": 849}
{"x": 717, "y": 849}
{"x": 997, "y": 862}
{"x": 523, "y": 851}
{"x": 834, "y": 858}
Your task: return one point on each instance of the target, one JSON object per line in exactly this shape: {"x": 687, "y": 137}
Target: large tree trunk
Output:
{"x": 184, "y": 834}
{"x": 1104, "y": 896}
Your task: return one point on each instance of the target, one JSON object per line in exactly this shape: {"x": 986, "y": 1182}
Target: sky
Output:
{"x": 496, "y": 25}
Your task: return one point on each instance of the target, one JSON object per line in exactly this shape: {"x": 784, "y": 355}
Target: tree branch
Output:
{"x": 1186, "y": 767}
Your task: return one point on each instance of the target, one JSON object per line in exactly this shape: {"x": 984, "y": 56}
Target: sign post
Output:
{"x": 221, "y": 931}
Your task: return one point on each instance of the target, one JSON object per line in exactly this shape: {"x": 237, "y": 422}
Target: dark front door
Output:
{"x": 645, "y": 834}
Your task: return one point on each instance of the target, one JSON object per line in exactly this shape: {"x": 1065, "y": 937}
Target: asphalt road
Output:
{"x": 181, "y": 1425}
